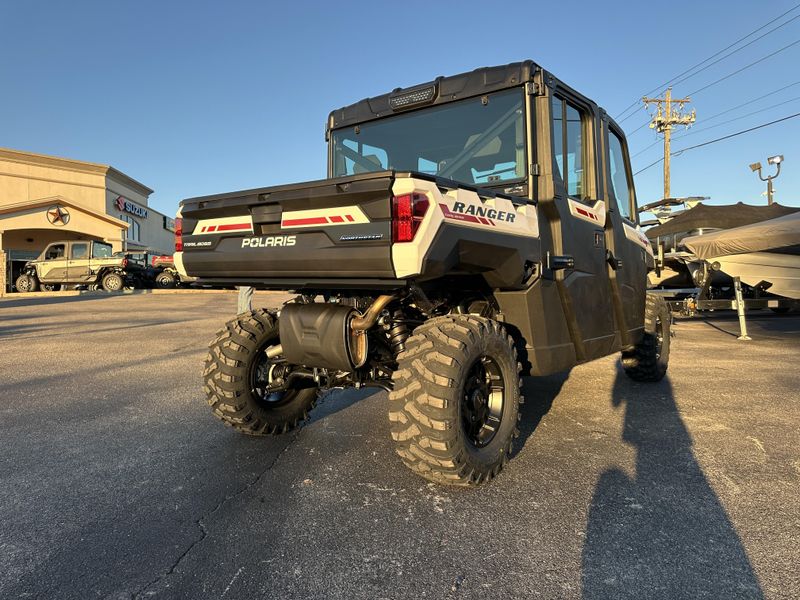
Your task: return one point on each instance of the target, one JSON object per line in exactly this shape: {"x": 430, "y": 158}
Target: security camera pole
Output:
{"x": 772, "y": 160}
{"x": 663, "y": 121}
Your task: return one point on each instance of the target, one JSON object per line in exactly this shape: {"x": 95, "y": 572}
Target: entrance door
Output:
{"x": 78, "y": 265}
{"x": 53, "y": 269}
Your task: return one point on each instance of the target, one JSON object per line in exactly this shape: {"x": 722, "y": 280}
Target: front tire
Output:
{"x": 648, "y": 360}
{"x": 26, "y": 283}
{"x": 165, "y": 280}
{"x": 455, "y": 405}
{"x": 236, "y": 371}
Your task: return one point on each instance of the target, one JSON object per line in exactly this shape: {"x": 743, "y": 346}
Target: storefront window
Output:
{"x": 134, "y": 232}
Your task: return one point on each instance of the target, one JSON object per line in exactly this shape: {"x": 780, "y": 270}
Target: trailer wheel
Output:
{"x": 455, "y": 405}
{"x": 237, "y": 372}
{"x": 26, "y": 283}
{"x": 648, "y": 360}
{"x": 112, "y": 282}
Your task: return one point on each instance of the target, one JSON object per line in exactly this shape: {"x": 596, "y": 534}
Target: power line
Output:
{"x": 752, "y": 64}
{"x": 709, "y": 65}
{"x": 714, "y": 141}
{"x": 724, "y": 112}
{"x": 702, "y": 62}
{"x": 750, "y": 114}
{"x": 719, "y": 114}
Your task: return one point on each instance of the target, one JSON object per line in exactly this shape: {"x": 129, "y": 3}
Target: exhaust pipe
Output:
{"x": 370, "y": 317}
{"x": 330, "y": 336}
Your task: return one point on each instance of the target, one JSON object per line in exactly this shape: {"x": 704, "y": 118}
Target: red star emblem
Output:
{"x": 58, "y": 215}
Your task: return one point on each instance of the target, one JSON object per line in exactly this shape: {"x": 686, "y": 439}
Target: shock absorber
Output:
{"x": 398, "y": 332}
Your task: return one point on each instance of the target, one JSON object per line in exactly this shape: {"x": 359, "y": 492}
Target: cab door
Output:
{"x": 78, "y": 270}
{"x": 581, "y": 211}
{"x": 628, "y": 246}
{"x": 53, "y": 267}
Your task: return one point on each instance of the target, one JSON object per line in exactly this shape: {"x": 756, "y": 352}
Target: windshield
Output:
{"x": 478, "y": 140}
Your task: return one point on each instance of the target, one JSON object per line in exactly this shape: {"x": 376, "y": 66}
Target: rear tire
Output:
{"x": 112, "y": 282}
{"x": 165, "y": 280}
{"x": 649, "y": 359}
{"x": 234, "y": 369}
{"x": 454, "y": 409}
{"x": 26, "y": 283}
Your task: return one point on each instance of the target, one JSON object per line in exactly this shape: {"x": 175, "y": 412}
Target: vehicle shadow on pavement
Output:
{"x": 661, "y": 533}
{"x": 14, "y": 303}
{"x": 539, "y": 394}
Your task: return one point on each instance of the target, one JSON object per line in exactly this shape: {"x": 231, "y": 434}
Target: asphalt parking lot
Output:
{"x": 116, "y": 481}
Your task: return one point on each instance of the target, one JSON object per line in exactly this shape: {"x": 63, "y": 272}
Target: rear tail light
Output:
{"x": 178, "y": 235}
{"x": 408, "y": 211}
{"x": 124, "y": 263}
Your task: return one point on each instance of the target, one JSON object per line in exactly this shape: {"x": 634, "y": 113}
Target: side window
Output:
{"x": 619, "y": 174}
{"x": 80, "y": 251}
{"x": 55, "y": 251}
{"x": 569, "y": 146}
{"x": 100, "y": 250}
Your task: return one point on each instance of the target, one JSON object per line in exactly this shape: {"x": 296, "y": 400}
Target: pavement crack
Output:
{"x": 200, "y": 523}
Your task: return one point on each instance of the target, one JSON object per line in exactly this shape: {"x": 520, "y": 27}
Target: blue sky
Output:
{"x": 203, "y": 97}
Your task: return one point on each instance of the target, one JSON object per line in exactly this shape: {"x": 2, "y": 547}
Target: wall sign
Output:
{"x": 130, "y": 207}
{"x": 169, "y": 224}
{"x": 58, "y": 215}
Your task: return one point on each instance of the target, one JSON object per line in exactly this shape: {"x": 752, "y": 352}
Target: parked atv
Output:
{"x": 473, "y": 230}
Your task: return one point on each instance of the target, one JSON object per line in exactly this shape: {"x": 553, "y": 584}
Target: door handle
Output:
{"x": 613, "y": 261}
{"x": 557, "y": 263}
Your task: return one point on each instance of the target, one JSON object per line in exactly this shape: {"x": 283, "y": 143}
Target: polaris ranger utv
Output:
{"x": 472, "y": 230}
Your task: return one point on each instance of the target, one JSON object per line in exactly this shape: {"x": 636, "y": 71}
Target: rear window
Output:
{"x": 477, "y": 140}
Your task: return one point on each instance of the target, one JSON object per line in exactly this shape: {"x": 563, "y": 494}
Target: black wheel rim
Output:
{"x": 263, "y": 373}
{"x": 482, "y": 402}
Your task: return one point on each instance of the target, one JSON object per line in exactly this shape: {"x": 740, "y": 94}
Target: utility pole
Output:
{"x": 664, "y": 120}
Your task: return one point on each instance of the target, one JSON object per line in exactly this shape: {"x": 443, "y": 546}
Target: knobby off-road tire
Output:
{"x": 649, "y": 359}
{"x": 26, "y": 283}
{"x": 237, "y": 365}
{"x": 456, "y": 372}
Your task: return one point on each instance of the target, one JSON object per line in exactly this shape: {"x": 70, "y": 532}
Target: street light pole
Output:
{"x": 772, "y": 160}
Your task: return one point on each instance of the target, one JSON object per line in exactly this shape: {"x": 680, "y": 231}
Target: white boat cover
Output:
{"x": 774, "y": 234}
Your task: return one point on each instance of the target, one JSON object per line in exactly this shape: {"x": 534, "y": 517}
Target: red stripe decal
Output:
{"x": 307, "y": 221}
{"x": 350, "y": 218}
{"x": 336, "y": 219}
{"x": 203, "y": 229}
{"x": 212, "y": 228}
{"x": 586, "y": 213}
{"x": 234, "y": 227}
